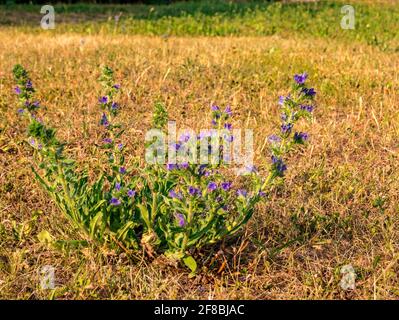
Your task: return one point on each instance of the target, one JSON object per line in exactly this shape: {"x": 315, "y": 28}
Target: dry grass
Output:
{"x": 339, "y": 205}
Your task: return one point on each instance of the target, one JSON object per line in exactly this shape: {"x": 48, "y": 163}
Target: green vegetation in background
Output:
{"x": 375, "y": 25}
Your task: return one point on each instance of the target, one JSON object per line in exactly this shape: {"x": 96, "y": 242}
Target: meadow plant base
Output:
{"x": 161, "y": 208}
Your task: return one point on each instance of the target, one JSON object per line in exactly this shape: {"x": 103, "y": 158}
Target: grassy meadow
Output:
{"x": 339, "y": 205}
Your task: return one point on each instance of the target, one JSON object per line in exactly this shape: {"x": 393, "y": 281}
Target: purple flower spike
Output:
{"x": 228, "y": 111}
{"x": 131, "y": 193}
{"x": 301, "y": 78}
{"x": 301, "y": 136}
{"x": 20, "y": 110}
{"x": 226, "y": 185}
{"x": 118, "y": 186}
{"x": 229, "y": 138}
{"x": 104, "y": 120}
{"x": 286, "y": 128}
{"x": 17, "y": 90}
{"x": 184, "y": 165}
{"x": 29, "y": 84}
{"x": 212, "y": 186}
{"x": 175, "y": 195}
{"x": 120, "y": 146}
{"x": 274, "y": 138}
{"x": 184, "y": 137}
{"x": 171, "y": 166}
{"x": 180, "y": 219}
{"x": 114, "y": 106}
{"x": 228, "y": 126}
{"x": 107, "y": 140}
{"x": 307, "y": 108}
{"x": 115, "y": 201}
{"x": 279, "y": 165}
{"x": 215, "y": 108}
{"x": 116, "y": 86}
{"x": 242, "y": 192}
{"x": 103, "y": 100}
{"x": 309, "y": 92}
{"x": 122, "y": 170}
{"x": 194, "y": 191}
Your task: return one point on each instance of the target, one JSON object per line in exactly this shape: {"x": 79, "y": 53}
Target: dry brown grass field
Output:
{"x": 339, "y": 205}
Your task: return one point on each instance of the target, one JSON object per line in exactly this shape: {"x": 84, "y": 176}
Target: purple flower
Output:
{"x": 180, "y": 219}
{"x": 29, "y": 84}
{"x": 242, "y": 192}
{"x": 301, "y": 136}
{"x": 228, "y": 138}
{"x": 213, "y": 122}
{"x": 194, "y": 191}
{"x": 274, "y": 138}
{"x": 171, "y": 166}
{"x": 118, "y": 186}
{"x": 309, "y": 92}
{"x": 301, "y": 78}
{"x": 284, "y": 117}
{"x": 36, "y": 104}
{"x": 115, "y": 201}
{"x": 20, "y": 110}
{"x": 184, "y": 137}
{"x": 215, "y": 108}
{"x": 103, "y": 100}
{"x": 251, "y": 169}
{"x": 131, "y": 193}
{"x": 226, "y": 185}
{"x": 114, "y": 106}
{"x": 278, "y": 164}
{"x": 122, "y": 170}
{"x": 286, "y": 128}
{"x": 176, "y": 146}
{"x": 175, "y": 195}
{"x": 17, "y": 90}
{"x": 228, "y": 111}
{"x": 120, "y": 146}
{"x": 228, "y": 126}
{"x": 212, "y": 186}
{"x": 32, "y": 141}
{"x": 104, "y": 120}
{"x": 107, "y": 140}
{"x": 116, "y": 86}
{"x": 307, "y": 108}
{"x": 262, "y": 194}
{"x": 201, "y": 169}
{"x": 282, "y": 99}
{"x": 184, "y": 165}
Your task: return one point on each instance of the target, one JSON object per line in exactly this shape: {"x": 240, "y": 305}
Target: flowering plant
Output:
{"x": 160, "y": 207}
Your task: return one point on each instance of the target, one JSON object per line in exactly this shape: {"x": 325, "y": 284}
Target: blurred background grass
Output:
{"x": 375, "y": 22}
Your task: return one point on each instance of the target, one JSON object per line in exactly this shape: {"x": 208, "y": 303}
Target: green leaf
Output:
{"x": 45, "y": 237}
{"x": 144, "y": 214}
{"x": 190, "y": 263}
{"x": 93, "y": 224}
